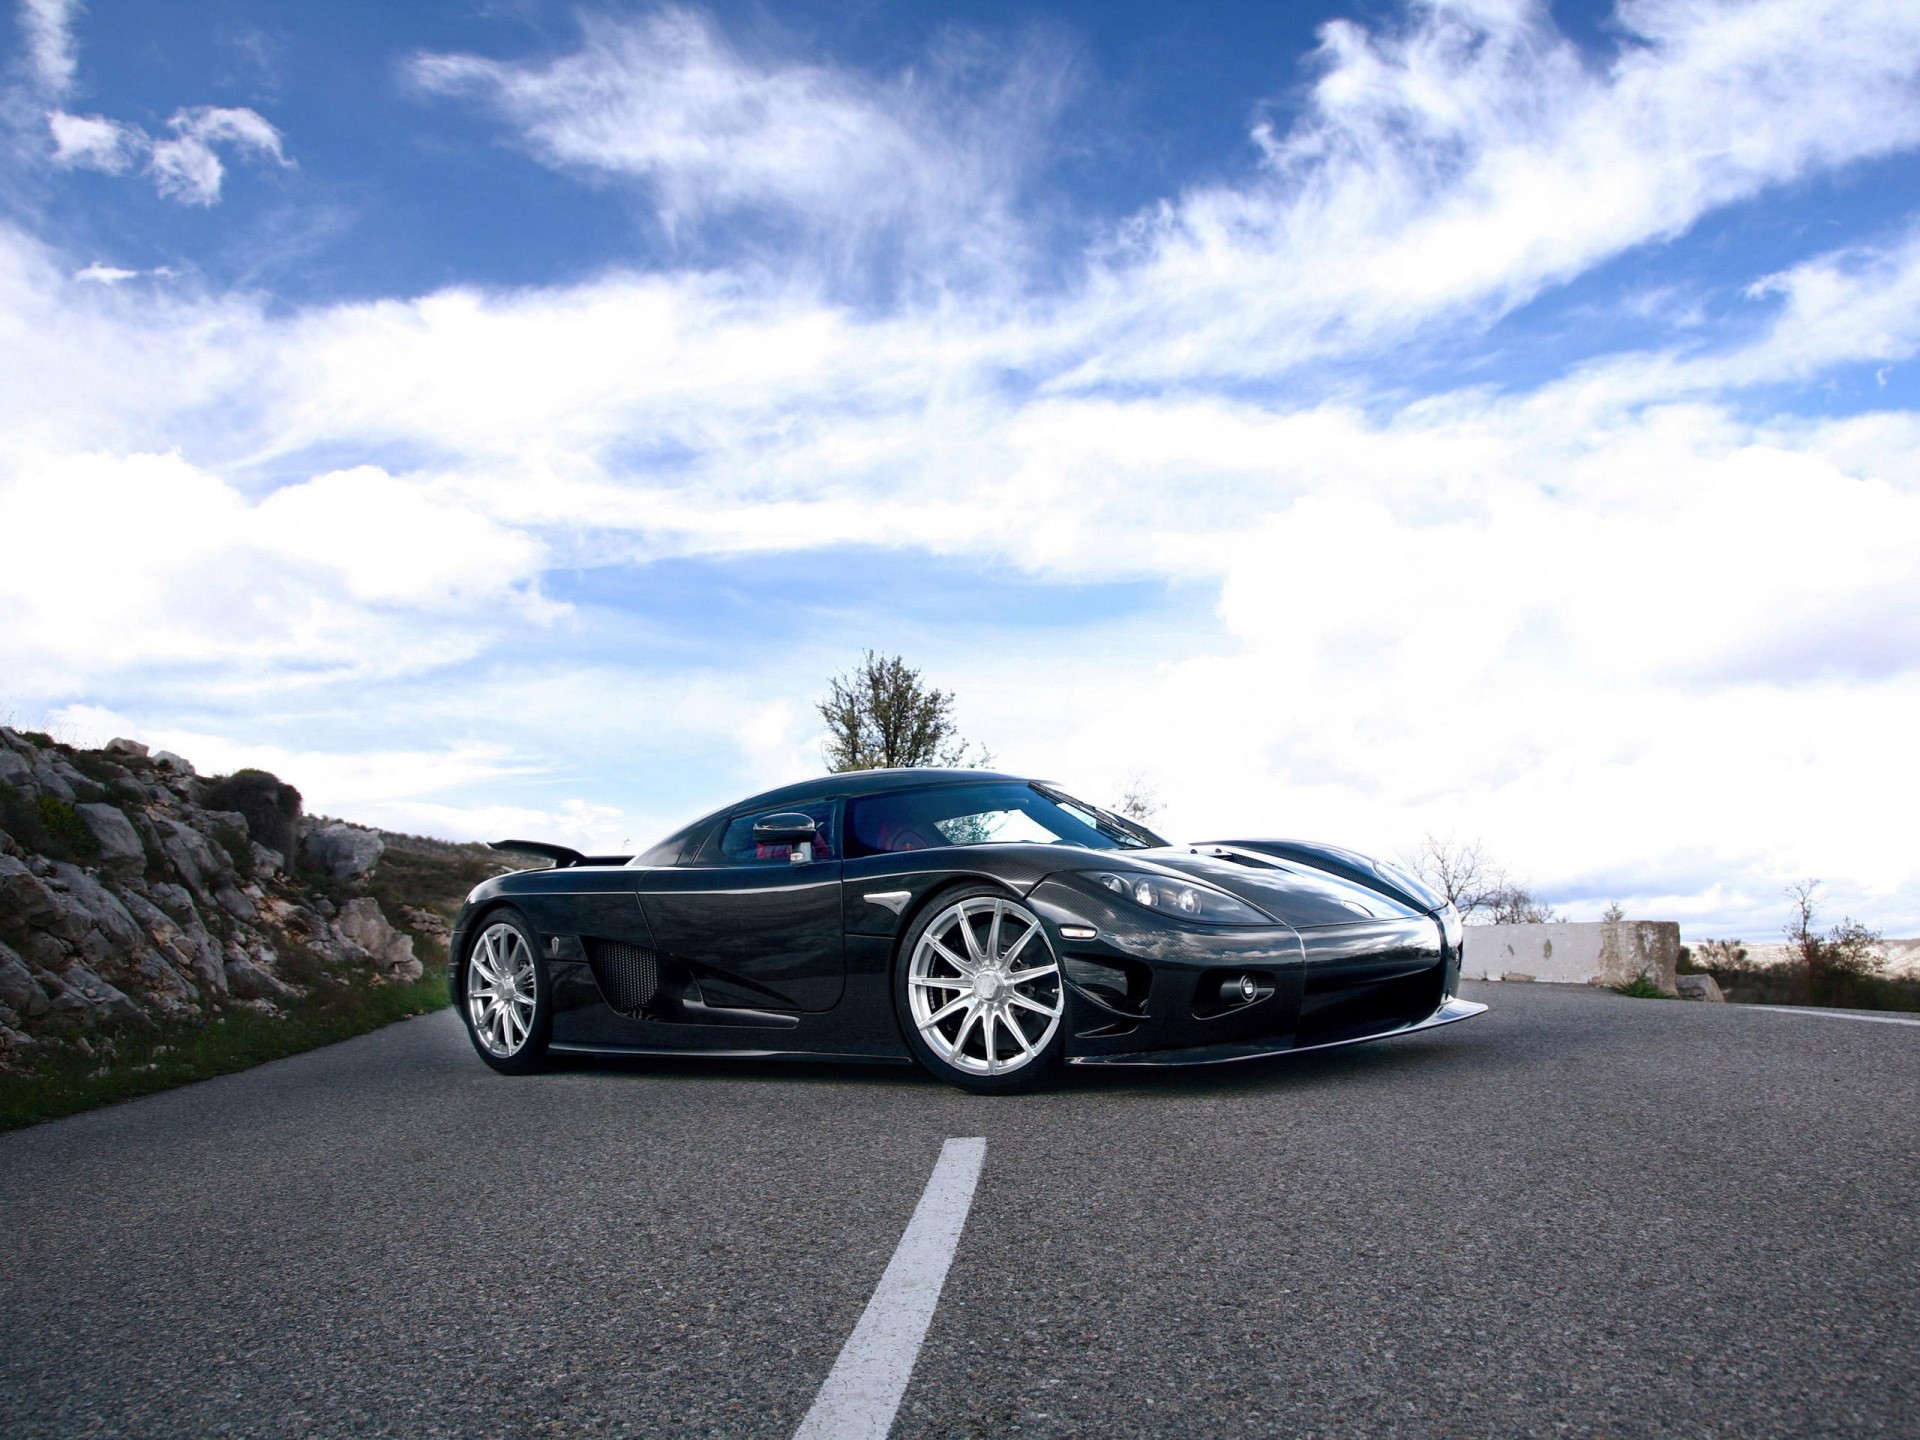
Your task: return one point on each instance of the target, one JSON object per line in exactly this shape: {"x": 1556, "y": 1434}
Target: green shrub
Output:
{"x": 1641, "y": 987}
{"x": 239, "y": 849}
{"x": 272, "y": 806}
{"x": 49, "y": 827}
{"x": 67, "y": 836}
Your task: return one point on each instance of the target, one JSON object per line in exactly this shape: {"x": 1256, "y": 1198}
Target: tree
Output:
{"x": 1510, "y": 904}
{"x": 1848, "y": 949}
{"x": 881, "y": 715}
{"x": 1458, "y": 870}
{"x": 1140, "y": 801}
{"x": 1614, "y": 911}
{"x": 1478, "y": 888}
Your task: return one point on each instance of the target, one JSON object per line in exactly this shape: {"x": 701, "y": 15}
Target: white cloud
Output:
{"x": 187, "y": 168}
{"x": 103, "y": 274}
{"x": 1460, "y": 162}
{"x": 932, "y": 159}
{"x": 47, "y": 27}
{"x": 93, "y": 142}
{"x": 348, "y": 574}
{"x": 184, "y": 166}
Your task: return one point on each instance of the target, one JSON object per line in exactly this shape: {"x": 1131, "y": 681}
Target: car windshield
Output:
{"x": 992, "y": 812}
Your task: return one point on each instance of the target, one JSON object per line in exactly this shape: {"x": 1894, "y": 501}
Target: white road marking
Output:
{"x": 863, "y": 1391}
{"x": 1837, "y": 1015}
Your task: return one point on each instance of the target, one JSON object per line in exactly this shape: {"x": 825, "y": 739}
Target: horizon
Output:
{"x": 1488, "y": 420}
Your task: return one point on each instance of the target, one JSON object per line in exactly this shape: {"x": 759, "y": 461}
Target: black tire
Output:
{"x": 1002, "y": 1012}
{"x": 504, "y": 1034}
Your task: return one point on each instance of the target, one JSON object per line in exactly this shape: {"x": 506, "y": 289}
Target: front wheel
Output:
{"x": 979, "y": 993}
{"x": 505, "y": 995}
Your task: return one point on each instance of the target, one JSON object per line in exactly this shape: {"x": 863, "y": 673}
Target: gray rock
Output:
{"x": 101, "y": 907}
{"x": 49, "y": 781}
{"x": 175, "y": 900}
{"x": 343, "y": 851}
{"x": 76, "y": 782}
{"x": 265, "y": 861}
{"x": 167, "y": 760}
{"x": 362, "y": 923}
{"x": 86, "y": 999}
{"x": 164, "y": 987}
{"x": 19, "y": 991}
{"x": 121, "y": 746}
{"x": 191, "y": 855}
{"x": 25, "y": 898}
{"x": 45, "y": 954}
{"x": 234, "y": 902}
{"x": 191, "y": 952}
{"x": 1699, "y": 987}
{"x": 119, "y": 841}
{"x": 15, "y": 771}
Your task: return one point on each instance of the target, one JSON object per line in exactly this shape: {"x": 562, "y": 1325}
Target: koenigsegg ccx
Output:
{"x": 985, "y": 926}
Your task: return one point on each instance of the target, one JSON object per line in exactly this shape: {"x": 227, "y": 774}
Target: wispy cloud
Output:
{"x": 932, "y": 160}
{"x": 183, "y": 165}
{"x": 47, "y": 28}
{"x": 1460, "y": 161}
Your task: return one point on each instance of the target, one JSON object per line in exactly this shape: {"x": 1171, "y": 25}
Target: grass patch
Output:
{"x": 1641, "y": 987}
{"x": 127, "y": 1065}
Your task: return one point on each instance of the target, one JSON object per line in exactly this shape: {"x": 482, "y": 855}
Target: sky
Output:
{"x": 1495, "y": 421}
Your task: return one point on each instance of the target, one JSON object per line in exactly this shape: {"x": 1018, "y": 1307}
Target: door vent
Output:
{"x": 628, "y": 975}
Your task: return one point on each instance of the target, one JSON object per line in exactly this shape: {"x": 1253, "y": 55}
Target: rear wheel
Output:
{"x": 505, "y": 995}
{"x": 979, "y": 992}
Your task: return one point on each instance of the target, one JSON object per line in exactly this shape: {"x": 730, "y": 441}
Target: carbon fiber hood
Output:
{"x": 1302, "y": 895}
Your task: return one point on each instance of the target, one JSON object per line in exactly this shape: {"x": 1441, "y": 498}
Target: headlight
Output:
{"x": 1186, "y": 899}
{"x": 1452, "y": 928}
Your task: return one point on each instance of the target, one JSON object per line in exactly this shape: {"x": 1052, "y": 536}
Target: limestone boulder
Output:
{"x": 87, "y": 1001}
{"x": 15, "y": 771}
{"x": 100, "y": 907}
{"x": 1699, "y": 987}
{"x": 362, "y": 922}
{"x": 251, "y": 979}
{"x": 344, "y": 851}
{"x": 19, "y": 991}
{"x": 25, "y": 898}
{"x": 120, "y": 845}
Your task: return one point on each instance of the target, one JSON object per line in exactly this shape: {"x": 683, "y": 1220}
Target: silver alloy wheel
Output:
{"x": 984, "y": 986}
{"x": 500, "y": 990}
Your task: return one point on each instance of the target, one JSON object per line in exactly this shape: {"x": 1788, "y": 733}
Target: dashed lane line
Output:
{"x": 863, "y": 1390}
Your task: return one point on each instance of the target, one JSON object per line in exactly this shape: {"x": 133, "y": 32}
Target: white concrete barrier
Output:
{"x": 1602, "y": 952}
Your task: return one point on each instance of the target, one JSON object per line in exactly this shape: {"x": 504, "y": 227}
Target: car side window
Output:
{"x": 738, "y": 847}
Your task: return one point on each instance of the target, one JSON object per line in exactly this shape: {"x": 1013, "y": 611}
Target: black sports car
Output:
{"x": 986, "y": 926}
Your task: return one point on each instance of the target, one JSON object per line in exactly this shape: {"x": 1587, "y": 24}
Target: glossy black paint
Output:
{"x": 795, "y": 957}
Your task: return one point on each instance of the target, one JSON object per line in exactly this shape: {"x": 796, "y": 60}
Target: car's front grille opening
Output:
{"x": 628, "y": 975}
{"x": 1118, "y": 985}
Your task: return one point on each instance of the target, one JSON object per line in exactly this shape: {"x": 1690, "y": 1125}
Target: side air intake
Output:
{"x": 628, "y": 975}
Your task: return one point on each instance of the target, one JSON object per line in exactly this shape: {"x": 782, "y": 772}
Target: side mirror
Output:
{"x": 789, "y": 828}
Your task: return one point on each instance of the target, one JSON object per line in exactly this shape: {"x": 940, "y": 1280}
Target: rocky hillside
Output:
{"x": 137, "y": 895}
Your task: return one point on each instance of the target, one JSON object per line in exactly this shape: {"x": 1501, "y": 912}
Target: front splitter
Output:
{"x": 1453, "y": 1010}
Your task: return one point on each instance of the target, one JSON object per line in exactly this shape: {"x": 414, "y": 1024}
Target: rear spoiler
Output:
{"x": 560, "y": 855}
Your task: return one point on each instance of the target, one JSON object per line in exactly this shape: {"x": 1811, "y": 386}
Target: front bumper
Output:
{"x": 1450, "y": 1010}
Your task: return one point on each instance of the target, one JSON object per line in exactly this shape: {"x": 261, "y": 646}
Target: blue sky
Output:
{"x": 1488, "y": 419}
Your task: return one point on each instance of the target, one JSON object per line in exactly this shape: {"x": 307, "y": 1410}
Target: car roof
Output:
{"x": 853, "y": 783}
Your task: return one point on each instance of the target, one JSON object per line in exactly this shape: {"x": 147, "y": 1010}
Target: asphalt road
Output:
{"x": 1576, "y": 1215}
